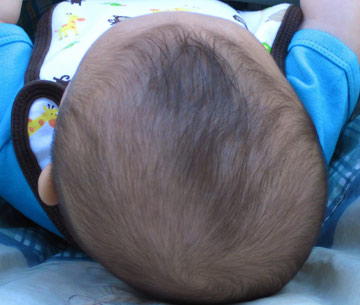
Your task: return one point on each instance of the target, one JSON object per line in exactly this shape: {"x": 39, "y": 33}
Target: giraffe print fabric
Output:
{"x": 41, "y": 123}
{"x": 75, "y": 27}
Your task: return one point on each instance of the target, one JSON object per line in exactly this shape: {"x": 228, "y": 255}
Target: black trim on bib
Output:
{"x": 26, "y": 159}
{"x": 41, "y": 47}
{"x": 290, "y": 24}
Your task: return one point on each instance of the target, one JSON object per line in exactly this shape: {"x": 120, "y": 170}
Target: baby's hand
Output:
{"x": 10, "y": 11}
{"x": 340, "y": 18}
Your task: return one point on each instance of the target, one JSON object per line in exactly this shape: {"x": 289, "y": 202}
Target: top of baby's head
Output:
{"x": 191, "y": 178}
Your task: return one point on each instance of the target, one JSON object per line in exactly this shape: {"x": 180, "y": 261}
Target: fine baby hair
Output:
{"x": 198, "y": 173}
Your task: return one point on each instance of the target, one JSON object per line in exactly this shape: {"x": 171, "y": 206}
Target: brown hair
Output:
{"x": 190, "y": 178}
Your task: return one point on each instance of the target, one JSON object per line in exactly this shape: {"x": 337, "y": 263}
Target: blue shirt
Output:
{"x": 322, "y": 70}
{"x": 15, "y": 52}
{"x": 324, "y": 73}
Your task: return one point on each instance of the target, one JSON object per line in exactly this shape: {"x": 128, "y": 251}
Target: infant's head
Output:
{"x": 185, "y": 163}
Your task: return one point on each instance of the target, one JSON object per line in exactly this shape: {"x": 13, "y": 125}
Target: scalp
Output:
{"x": 198, "y": 175}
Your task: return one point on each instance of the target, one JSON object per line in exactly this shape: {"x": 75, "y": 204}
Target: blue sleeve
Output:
{"x": 324, "y": 73}
{"x": 15, "y": 53}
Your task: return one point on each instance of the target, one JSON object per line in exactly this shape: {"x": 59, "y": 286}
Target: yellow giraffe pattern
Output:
{"x": 49, "y": 115}
{"x": 70, "y": 26}
{"x": 177, "y": 9}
